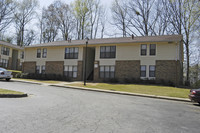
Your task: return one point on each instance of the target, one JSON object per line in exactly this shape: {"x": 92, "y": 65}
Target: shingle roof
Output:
{"x": 10, "y": 45}
{"x": 139, "y": 39}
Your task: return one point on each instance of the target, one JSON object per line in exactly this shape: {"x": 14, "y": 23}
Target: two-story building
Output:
{"x": 148, "y": 57}
{"x": 11, "y": 56}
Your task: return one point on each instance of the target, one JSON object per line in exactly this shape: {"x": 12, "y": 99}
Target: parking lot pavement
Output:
{"x": 59, "y": 110}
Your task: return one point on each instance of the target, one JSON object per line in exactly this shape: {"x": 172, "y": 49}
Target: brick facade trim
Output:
{"x": 54, "y": 67}
{"x": 127, "y": 69}
{"x": 28, "y": 67}
{"x": 169, "y": 70}
{"x": 80, "y": 70}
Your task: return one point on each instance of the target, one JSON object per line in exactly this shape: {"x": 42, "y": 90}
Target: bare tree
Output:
{"x": 6, "y": 13}
{"x": 95, "y": 15}
{"x": 50, "y": 23}
{"x": 141, "y": 16}
{"x": 183, "y": 19}
{"x": 103, "y": 21}
{"x": 29, "y": 37}
{"x": 23, "y": 15}
{"x": 160, "y": 17}
{"x": 66, "y": 19}
{"x": 119, "y": 15}
{"x": 40, "y": 24}
{"x": 81, "y": 11}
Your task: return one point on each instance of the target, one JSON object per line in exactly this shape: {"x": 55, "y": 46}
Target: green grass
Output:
{"x": 40, "y": 81}
{"x": 141, "y": 89}
{"x": 4, "y": 91}
{"x": 15, "y": 71}
{"x": 133, "y": 88}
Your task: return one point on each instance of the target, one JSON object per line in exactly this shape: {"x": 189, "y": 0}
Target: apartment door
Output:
{"x": 90, "y": 63}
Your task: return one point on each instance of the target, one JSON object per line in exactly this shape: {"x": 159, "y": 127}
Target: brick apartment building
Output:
{"x": 11, "y": 56}
{"x": 149, "y": 57}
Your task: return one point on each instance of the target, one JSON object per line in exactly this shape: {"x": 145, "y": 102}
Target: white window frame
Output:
{"x": 71, "y": 71}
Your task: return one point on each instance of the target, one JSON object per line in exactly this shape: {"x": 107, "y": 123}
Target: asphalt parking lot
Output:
{"x": 63, "y": 110}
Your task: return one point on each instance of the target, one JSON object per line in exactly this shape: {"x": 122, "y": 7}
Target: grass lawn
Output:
{"x": 15, "y": 71}
{"x": 4, "y": 91}
{"x": 134, "y": 88}
{"x": 142, "y": 89}
{"x": 40, "y": 81}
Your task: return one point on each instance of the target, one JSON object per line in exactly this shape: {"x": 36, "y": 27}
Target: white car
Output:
{"x": 5, "y": 74}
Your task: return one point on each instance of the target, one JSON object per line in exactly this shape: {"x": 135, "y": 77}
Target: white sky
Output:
{"x": 45, "y": 3}
{"x": 105, "y": 3}
{"x": 48, "y": 2}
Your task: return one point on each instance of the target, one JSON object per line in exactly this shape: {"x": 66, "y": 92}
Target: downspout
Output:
{"x": 176, "y": 62}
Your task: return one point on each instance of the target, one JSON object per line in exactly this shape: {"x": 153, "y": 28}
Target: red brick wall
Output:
{"x": 28, "y": 67}
{"x": 80, "y": 70}
{"x": 169, "y": 70}
{"x": 127, "y": 69}
{"x": 55, "y": 67}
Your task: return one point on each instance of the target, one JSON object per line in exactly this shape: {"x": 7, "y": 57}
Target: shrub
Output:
{"x": 112, "y": 80}
{"x": 163, "y": 82}
{"x": 45, "y": 76}
{"x": 145, "y": 81}
{"x": 152, "y": 81}
{"x": 187, "y": 83}
{"x": 50, "y": 76}
{"x": 170, "y": 83}
{"x": 137, "y": 81}
{"x": 196, "y": 85}
{"x": 127, "y": 80}
{"x": 18, "y": 75}
{"x": 15, "y": 73}
{"x": 66, "y": 79}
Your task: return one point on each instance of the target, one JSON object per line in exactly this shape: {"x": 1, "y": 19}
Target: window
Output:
{"x": 37, "y": 69}
{"x": 107, "y": 51}
{"x": 70, "y": 71}
{"x": 71, "y": 53}
{"x": 5, "y": 51}
{"x": 20, "y": 65}
{"x": 143, "y": 49}
{"x": 38, "y": 53}
{"x": 152, "y": 49}
{"x": 4, "y": 63}
{"x": 142, "y": 71}
{"x": 43, "y": 69}
{"x": 107, "y": 72}
{"x": 44, "y": 53}
{"x": 152, "y": 71}
{"x": 22, "y": 55}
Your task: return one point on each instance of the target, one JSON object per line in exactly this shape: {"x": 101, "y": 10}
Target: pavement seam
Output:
{"x": 110, "y": 91}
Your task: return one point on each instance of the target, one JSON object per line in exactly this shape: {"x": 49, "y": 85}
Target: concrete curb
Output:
{"x": 13, "y": 95}
{"x": 110, "y": 91}
{"x": 125, "y": 93}
{"x": 30, "y": 82}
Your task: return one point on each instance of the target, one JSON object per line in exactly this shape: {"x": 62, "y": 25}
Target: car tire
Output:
{"x": 8, "y": 79}
{"x": 199, "y": 103}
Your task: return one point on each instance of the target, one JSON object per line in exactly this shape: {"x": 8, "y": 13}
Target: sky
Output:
{"x": 105, "y": 3}
{"x": 48, "y": 2}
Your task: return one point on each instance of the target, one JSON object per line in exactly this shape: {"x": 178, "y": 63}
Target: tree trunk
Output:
{"x": 22, "y": 37}
{"x": 124, "y": 29}
{"x": 83, "y": 26}
{"x": 188, "y": 62}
